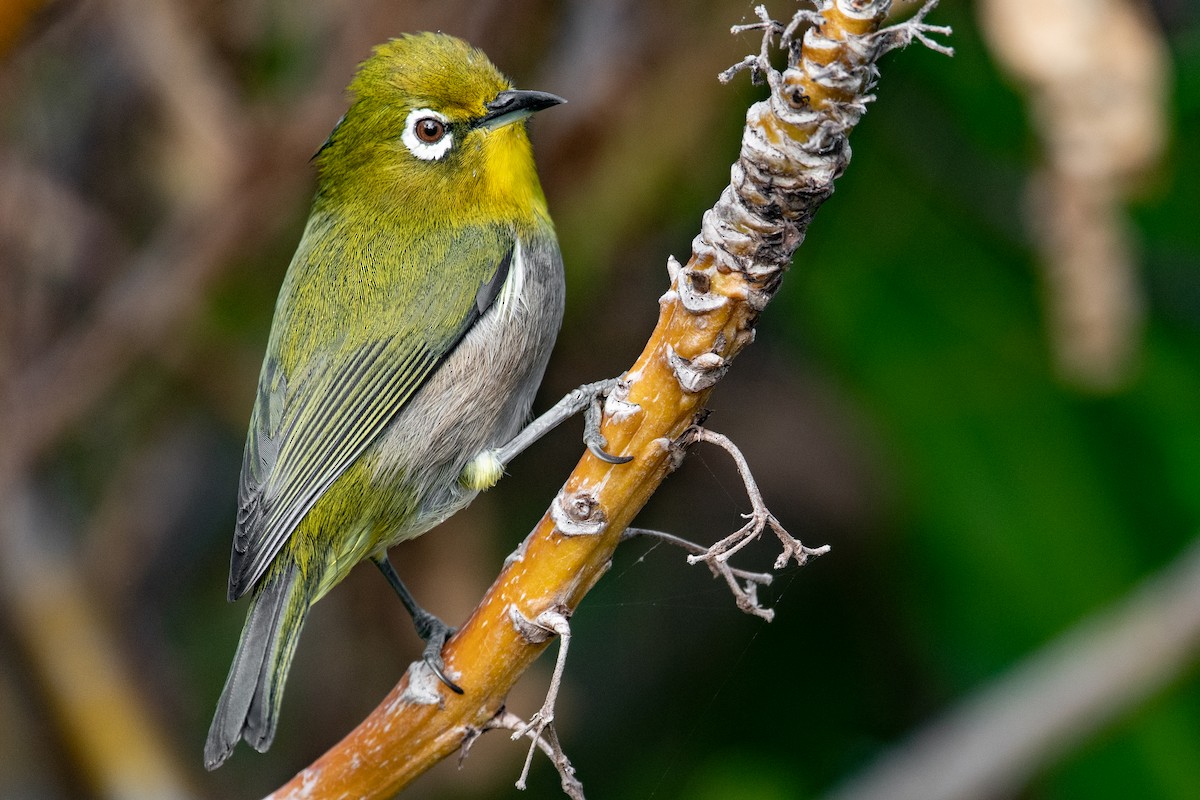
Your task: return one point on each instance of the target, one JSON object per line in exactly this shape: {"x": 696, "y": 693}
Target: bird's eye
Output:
{"x": 427, "y": 134}
{"x": 430, "y": 130}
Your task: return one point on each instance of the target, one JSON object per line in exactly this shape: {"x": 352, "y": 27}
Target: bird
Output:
{"x": 411, "y": 332}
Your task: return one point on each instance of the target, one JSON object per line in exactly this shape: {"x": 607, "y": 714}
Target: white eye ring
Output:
{"x": 426, "y": 151}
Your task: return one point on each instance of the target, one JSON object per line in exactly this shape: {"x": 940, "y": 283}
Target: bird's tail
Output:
{"x": 249, "y": 704}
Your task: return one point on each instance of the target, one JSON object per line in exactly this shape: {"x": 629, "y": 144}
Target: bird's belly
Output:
{"x": 449, "y": 422}
{"x": 477, "y": 399}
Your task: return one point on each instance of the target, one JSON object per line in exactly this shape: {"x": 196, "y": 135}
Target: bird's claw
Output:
{"x": 597, "y": 448}
{"x": 435, "y": 633}
{"x": 592, "y": 436}
{"x": 438, "y": 667}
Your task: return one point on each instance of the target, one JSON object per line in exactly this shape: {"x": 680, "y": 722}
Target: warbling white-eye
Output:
{"x": 410, "y": 335}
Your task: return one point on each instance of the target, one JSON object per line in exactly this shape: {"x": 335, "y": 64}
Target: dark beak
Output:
{"x": 514, "y": 104}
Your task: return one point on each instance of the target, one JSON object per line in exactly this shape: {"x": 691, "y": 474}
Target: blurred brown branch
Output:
{"x": 996, "y": 740}
{"x": 15, "y": 18}
{"x": 95, "y": 703}
{"x": 234, "y": 189}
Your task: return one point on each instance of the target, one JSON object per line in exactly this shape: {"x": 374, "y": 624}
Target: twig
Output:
{"x": 915, "y": 28}
{"x": 540, "y": 727}
{"x": 761, "y": 578}
{"x": 506, "y": 720}
{"x": 758, "y": 65}
{"x": 717, "y": 556}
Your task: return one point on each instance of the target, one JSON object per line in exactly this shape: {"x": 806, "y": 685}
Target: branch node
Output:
{"x": 578, "y": 514}
{"x": 539, "y": 630}
{"x": 470, "y": 736}
{"x": 673, "y": 268}
{"x": 616, "y": 405}
{"x": 518, "y": 553}
{"x": 694, "y": 288}
{"x": 697, "y": 374}
{"x": 423, "y": 687}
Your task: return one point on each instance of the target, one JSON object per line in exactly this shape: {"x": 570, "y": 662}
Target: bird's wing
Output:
{"x": 310, "y": 423}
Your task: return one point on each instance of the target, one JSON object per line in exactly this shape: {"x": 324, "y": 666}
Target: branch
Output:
{"x": 794, "y": 146}
{"x": 91, "y": 695}
{"x": 89, "y": 692}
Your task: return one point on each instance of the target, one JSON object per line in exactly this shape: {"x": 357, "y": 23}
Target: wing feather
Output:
{"x": 308, "y": 428}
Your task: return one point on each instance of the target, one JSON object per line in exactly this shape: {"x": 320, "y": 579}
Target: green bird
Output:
{"x": 410, "y": 335}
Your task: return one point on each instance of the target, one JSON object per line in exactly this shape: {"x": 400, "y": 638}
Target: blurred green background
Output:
{"x": 901, "y": 403}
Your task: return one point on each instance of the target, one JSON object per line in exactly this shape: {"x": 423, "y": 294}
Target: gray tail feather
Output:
{"x": 249, "y": 704}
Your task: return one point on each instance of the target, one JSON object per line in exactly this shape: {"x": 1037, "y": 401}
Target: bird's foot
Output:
{"x": 435, "y": 633}
{"x": 595, "y": 400}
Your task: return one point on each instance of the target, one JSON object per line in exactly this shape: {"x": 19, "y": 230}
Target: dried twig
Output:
{"x": 506, "y": 720}
{"x": 540, "y": 727}
{"x": 761, "y": 578}
{"x": 760, "y": 519}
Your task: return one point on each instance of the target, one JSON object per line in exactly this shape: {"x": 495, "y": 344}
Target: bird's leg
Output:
{"x": 431, "y": 629}
{"x": 586, "y": 398}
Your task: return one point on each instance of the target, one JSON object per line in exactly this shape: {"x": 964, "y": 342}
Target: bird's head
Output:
{"x": 435, "y": 126}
